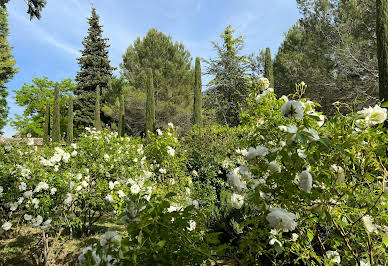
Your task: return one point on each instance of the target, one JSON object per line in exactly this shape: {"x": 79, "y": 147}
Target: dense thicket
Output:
{"x": 332, "y": 48}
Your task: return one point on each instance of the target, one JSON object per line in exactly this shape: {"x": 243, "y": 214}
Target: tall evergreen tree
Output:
{"x": 382, "y": 47}
{"x": 97, "y": 111}
{"x": 268, "y": 69}
{"x": 228, "y": 91}
{"x": 70, "y": 121}
{"x": 56, "y": 116}
{"x": 197, "y": 93}
{"x": 46, "y": 135}
{"x": 95, "y": 70}
{"x": 121, "y": 118}
{"x": 150, "y": 104}
{"x": 7, "y": 69}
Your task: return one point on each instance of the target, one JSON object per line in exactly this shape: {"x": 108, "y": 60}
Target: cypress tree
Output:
{"x": 56, "y": 116}
{"x": 70, "y": 121}
{"x": 268, "y": 69}
{"x": 150, "y": 104}
{"x": 382, "y": 46}
{"x": 95, "y": 70}
{"x": 97, "y": 119}
{"x": 7, "y": 66}
{"x": 121, "y": 118}
{"x": 197, "y": 93}
{"x": 46, "y": 136}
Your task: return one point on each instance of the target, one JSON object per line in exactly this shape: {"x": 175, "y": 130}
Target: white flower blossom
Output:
{"x": 279, "y": 218}
{"x": 109, "y": 198}
{"x": 263, "y": 83}
{"x": 159, "y": 132}
{"x": 373, "y": 115}
{"x": 305, "y": 181}
{"x": 121, "y": 193}
{"x": 162, "y": 171}
{"x": 13, "y": 206}
{"x": 135, "y": 189}
{"x": 192, "y": 226}
{"x": 68, "y": 199}
{"x": 84, "y": 183}
{"x": 274, "y": 167}
{"x": 237, "y": 200}
{"x": 258, "y": 151}
{"x": 369, "y": 225}
{"x": 37, "y": 221}
{"x": 292, "y": 129}
{"x": 110, "y": 237}
{"x": 28, "y": 194}
{"x": 171, "y": 125}
{"x": 284, "y": 98}
{"x": 6, "y": 226}
{"x": 235, "y": 181}
{"x": 46, "y": 225}
{"x": 22, "y": 186}
{"x": 333, "y": 256}
{"x": 27, "y": 217}
{"x": 339, "y": 173}
{"x": 74, "y": 153}
{"x": 25, "y": 172}
{"x": 283, "y": 128}
{"x": 170, "y": 151}
{"x": 292, "y": 109}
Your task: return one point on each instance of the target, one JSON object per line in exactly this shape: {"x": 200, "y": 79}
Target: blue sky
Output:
{"x": 49, "y": 47}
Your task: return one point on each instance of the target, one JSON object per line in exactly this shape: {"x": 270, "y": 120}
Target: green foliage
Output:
{"x": 150, "y": 106}
{"x": 47, "y": 124}
{"x": 34, "y": 7}
{"x": 69, "y": 135}
{"x": 172, "y": 80}
{"x": 56, "y": 116}
{"x": 228, "y": 88}
{"x": 332, "y": 48}
{"x": 122, "y": 117}
{"x": 197, "y": 93}
{"x": 97, "y": 118}
{"x": 95, "y": 70}
{"x": 7, "y": 66}
{"x": 268, "y": 69}
{"x": 33, "y": 97}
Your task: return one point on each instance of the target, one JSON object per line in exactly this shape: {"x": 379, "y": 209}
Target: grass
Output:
{"x": 24, "y": 248}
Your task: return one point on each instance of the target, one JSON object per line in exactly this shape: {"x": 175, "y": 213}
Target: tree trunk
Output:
{"x": 382, "y": 47}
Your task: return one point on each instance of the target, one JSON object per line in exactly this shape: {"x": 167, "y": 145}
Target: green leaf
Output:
{"x": 384, "y": 104}
{"x": 170, "y": 195}
{"x": 310, "y": 235}
{"x": 385, "y": 241}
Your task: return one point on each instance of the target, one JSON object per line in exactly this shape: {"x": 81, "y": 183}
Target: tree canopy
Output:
{"x": 33, "y": 97}
{"x": 170, "y": 63}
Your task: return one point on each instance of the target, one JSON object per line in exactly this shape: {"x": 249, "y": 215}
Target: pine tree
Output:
{"x": 150, "y": 105}
{"x": 121, "y": 118}
{"x": 197, "y": 93}
{"x": 97, "y": 111}
{"x": 95, "y": 70}
{"x": 70, "y": 121}
{"x": 46, "y": 136}
{"x": 382, "y": 47}
{"x": 56, "y": 116}
{"x": 7, "y": 69}
{"x": 34, "y": 7}
{"x": 268, "y": 69}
